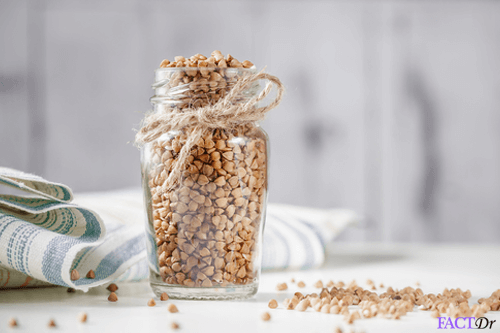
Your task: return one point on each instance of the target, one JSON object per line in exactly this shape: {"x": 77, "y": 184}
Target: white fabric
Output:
{"x": 44, "y": 236}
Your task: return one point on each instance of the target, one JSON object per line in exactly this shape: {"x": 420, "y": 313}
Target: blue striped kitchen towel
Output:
{"x": 45, "y": 235}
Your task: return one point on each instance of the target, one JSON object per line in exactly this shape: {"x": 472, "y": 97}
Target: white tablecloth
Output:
{"x": 471, "y": 267}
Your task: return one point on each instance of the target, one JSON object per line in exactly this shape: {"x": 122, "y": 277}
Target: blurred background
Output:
{"x": 392, "y": 107}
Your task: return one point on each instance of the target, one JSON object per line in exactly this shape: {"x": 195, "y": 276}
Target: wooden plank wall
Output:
{"x": 14, "y": 114}
{"x": 392, "y": 107}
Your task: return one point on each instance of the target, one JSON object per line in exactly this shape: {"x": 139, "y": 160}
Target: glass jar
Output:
{"x": 205, "y": 234}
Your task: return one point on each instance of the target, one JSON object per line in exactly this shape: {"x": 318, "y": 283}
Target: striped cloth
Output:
{"x": 45, "y": 235}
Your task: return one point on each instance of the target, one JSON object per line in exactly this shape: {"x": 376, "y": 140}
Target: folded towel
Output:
{"x": 44, "y": 236}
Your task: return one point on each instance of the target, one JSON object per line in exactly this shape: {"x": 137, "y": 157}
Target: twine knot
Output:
{"x": 225, "y": 114}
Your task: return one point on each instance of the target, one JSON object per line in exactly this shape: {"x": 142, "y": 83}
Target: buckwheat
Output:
{"x": 12, "y": 322}
{"x": 164, "y": 297}
{"x": 281, "y": 286}
{"x": 291, "y": 305}
{"x": 247, "y": 64}
{"x": 75, "y": 275}
{"x": 112, "y": 287}
{"x": 303, "y": 305}
{"x": 335, "y": 309}
{"x": 318, "y": 284}
{"x": 91, "y": 274}
{"x": 266, "y": 316}
{"x": 273, "y": 304}
{"x": 112, "y": 297}
{"x": 172, "y": 308}
{"x": 82, "y": 317}
{"x": 164, "y": 63}
{"x": 325, "y": 308}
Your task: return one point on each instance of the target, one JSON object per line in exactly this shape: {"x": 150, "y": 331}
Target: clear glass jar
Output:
{"x": 205, "y": 235}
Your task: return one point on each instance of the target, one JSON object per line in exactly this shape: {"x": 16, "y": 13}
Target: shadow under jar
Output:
{"x": 205, "y": 234}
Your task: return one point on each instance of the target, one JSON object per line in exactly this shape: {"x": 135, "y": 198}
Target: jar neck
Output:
{"x": 181, "y": 88}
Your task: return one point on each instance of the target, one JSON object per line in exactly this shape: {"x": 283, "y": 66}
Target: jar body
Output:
{"x": 205, "y": 234}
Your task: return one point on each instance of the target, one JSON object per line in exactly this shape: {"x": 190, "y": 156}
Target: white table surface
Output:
{"x": 473, "y": 267}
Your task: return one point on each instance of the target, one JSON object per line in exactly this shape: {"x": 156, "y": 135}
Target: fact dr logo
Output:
{"x": 461, "y": 323}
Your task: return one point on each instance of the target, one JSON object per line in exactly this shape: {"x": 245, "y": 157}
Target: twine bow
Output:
{"x": 226, "y": 114}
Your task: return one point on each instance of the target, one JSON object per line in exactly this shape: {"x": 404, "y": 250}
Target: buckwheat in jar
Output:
{"x": 204, "y": 174}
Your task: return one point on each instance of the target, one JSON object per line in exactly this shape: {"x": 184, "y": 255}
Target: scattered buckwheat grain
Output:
{"x": 112, "y": 287}
{"x": 82, "y": 317}
{"x": 281, "y": 286}
{"x": 91, "y": 274}
{"x": 151, "y": 302}
{"x": 172, "y": 308}
{"x": 112, "y": 297}
{"x": 12, "y": 322}
{"x": 273, "y": 304}
{"x": 75, "y": 275}
{"x": 266, "y": 316}
{"x": 391, "y": 304}
{"x": 164, "y": 297}
{"x": 318, "y": 284}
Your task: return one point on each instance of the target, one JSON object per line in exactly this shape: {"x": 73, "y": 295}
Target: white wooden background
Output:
{"x": 392, "y": 109}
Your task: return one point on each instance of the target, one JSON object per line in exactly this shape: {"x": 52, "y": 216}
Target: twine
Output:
{"x": 225, "y": 114}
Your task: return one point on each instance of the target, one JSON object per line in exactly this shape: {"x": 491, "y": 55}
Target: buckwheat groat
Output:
{"x": 266, "y": 316}
{"x": 91, "y": 274}
{"x": 75, "y": 275}
{"x": 172, "y": 308}
{"x": 12, "y": 322}
{"x": 112, "y": 297}
{"x": 281, "y": 286}
{"x": 112, "y": 287}
{"x": 82, "y": 317}
{"x": 273, "y": 304}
